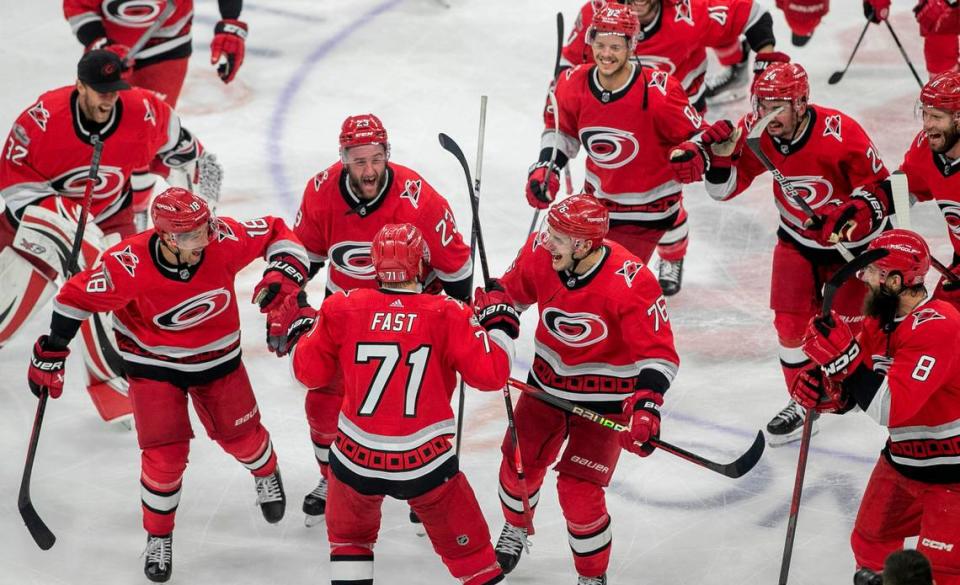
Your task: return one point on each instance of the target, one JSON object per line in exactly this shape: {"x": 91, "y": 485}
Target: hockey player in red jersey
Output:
{"x": 603, "y": 340}
{"x": 903, "y": 370}
{"x": 629, "y": 118}
{"x": 831, "y": 162}
{"x": 398, "y": 352}
{"x": 933, "y": 162}
{"x": 161, "y": 66}
{"x": 803, "y": 17}
{"x": 343, "y": 207}
{"x": 674, "y": 35}
{"x": 172, "y": 294}
{"x": 42, "y": 180}
{"x": 939, "y": 22}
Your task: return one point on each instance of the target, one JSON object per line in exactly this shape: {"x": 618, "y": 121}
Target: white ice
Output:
{"x": 422, "y": 68}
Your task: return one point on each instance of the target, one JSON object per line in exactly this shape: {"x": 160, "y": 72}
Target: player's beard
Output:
{"x": 882, "y": 304}
{"x": 950, "y": 136}
{"x": 367, "y": 185}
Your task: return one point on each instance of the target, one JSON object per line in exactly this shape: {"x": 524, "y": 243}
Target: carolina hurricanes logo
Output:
{"x": 660, "y": 64}
{"x": 658, "y": 80}
{"x": 629, "y": 271}
{"x": 923, "y": 315}
{"x": 319, "y": 179}
{"x": 411, "y": 192}
{"x": 133, "y": 13}
{"x": 609, "y": 148}
{"x": 831, "y": 127}
{"x": 127, "y": 259}
{"x": 108, "y": 69}
{"x": 353, "y": 259}
{"x": 109, "y": 184}
{"x": 951, "y": 213}
{"x": 40, "y": 115}
{"x": 816, "y": 191}
{"x": 195, "y": 310}
{"x": 684, "y": 13}
{"x": 574, "y": 329}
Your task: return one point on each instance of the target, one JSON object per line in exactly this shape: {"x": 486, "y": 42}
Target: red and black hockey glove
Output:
{"x": 811, "y": 390}
{"x": 723, "y": 140}
{"x": 643, "y": 408}
{"x": 830, "y": 343}
{"x": 763, "y": 60}
{"x": 47, "y": 367}
{"x": 227, "y": 48}
{"x": 494, "y": 310}
{"x": 876, "y": 11}
{"x": 931, "y": 14}
{"x": 688, "y": 162}
{"x": 852, "y": 221}
{"x": 285, "y": 275}
{"x": 119, "y": 50}
{"x": 288, "y": 321}
{"x": 949, "y": 290}
{"x": 543, "y": 184}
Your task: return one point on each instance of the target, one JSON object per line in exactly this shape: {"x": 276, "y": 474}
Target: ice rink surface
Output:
{"x": 422, "y": 69}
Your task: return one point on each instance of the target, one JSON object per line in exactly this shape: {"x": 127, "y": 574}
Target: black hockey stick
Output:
{"x": 903, "y": 52}
{"x": 453, "y": 148}
{"x": 734, "y": 469}
{"x": 836, "y": 76}
{"x": 38, "y": 529}
{"x": 753, "y": 142}
{"x": 141, "y": 42}
{"x": 829, "y": 291}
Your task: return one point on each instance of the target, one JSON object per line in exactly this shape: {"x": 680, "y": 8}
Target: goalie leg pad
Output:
{"x": 46, "y": 233}
{"x": 23, "y": 291}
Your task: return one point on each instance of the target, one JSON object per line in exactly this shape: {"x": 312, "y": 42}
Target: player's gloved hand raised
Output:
{"x": 47, "y": 367}
{"x": 723, "y": 139}
{"x": 830, "y": 342}
{"x": 119, "y": 50}
{"x": 687, "y": 162}
{"x": 228, "y": 47}
{"x": 288, "y": 321}
{"x": 643, "y": 408}
{"x": 285, "y": 275}
{"x": 876, "y": 11}
{"x": 812, "y": 390}
{"x": 494, "y": 309}
{"x": 763, "y": 60}
{"x": 949, "y": 290}
{"x": 543, "y": 184}
{"x": 851, "y": 221}
{"x": 930, "y": 14}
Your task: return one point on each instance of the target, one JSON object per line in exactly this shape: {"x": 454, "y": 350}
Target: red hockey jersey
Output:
{"x": 335, "y": 224}
{"x": 919, "y": 399}
{"x": 48, "y": 150}
{"x": 600, "y": 336}
{"x": 932, "y": 177}
{"x": 832, "y": 158}
{"x": 400, "y": 353}
{"x": 628, "y": 135}
{"x": 676, "y": 40}
{"x": 179, "y": 325}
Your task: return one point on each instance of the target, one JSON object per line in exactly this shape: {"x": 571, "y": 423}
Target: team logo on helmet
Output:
{"x": 816, "y": 191}
{"x": 951, "y": 213}
{"x": 609, "y": 148}
{"x": 133, "y": 13}
{"x": 353, "y": 259}
{"x": 195, "y": 310}
{"x": 109, "y": 184}
{"x": 574, "y": 329}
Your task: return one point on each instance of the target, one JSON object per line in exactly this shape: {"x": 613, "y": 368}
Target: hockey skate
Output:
{"x": 270, "y": 497}
{"x": 727, "y": 85}
{"x": 511, "y": 543}
{"x": 787, "y": 425}
{"x": 315, "y": 504}
{"x": 159, "y": 553}
{"x": 601, "y": 580}
{"x": 867, "y": 577}
{"x": 417, "y": 524}
{"x": 670, "y": 276}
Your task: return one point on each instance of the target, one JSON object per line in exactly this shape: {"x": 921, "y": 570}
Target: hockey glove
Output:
{"x": 763, "y": 60}
{"x": 932, "y": 13}
{"x": 227, "y": 48}
{"x": 643, "y": 408}
{"x": 494, "y": 310}
{"x": 284, "y": 276}
{"x": 47, "y": 367}
{"x": 286, "y": 323}
{"x": 687, "y": 162}
{"x": 876, "y": 11}
{"x": 830, "y": 343}
{"x": 811, "y": 390}
{"x": 543, "y": 184}
{"x": 851, "y": 221}
{"x": 949, "y": 290}
{"x": 723, "y": 138}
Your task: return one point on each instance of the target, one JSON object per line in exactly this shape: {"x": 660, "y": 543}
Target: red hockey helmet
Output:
{"x": 362, "y": 129}
{"x": 398, "y": 252}
{"x": 581, "y": 217}
{"x": 617, "y": 19}
{"x": 942, "y": 92}
{"x": 908, "y": 255}
{"x": 782, "y": 81}
{"x": 180, "y": 213}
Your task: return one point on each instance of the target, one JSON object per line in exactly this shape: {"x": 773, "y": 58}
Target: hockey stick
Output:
{"x": 556, "y": 73}
{"x": 903, "y": 52}
{"x": 38, "y": 529}
{"x": 138, "y": 46}
{"x": 836, "y": 76}
{"x": 753, "y": 142}
{"x": 734, "y": 469}
{"x": 829, "y": 291}
{"x": 473, "y": 248}
{"x": 453, "y": 148}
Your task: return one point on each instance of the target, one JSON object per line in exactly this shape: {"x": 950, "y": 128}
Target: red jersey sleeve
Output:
{"x": 568, "y": 141}
{"x": 518, "y": 280}
{"x": 449, "y": 255}
{"x": 727, "y": 20}
{"x": 650, "y": 338}
{"x": 261, "y": 237}
{"x": 860, "y": 160}
{"x": 744, "y": 170}
{"x": 107, "y": 286}
{"x": 311, "y": 216}
{"x": 921, "y": 366}
{"x": 314, "y": 359}
{"x": 19, "y": 174}
{"x": 482, "y": 358}
{"x": 575, "y": 49}
{"x": 677, "y": 120}
{"x": 916, "y": 182}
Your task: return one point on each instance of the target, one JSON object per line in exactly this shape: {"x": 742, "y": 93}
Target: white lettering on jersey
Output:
{"x": 718, "y": 13}
{"x": 397, "y": 322}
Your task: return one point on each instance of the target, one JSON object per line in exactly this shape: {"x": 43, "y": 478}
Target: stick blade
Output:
{"x": 835, "y": 77}
{"x": 42, "y": 535}
{"x": 450, "y": 145}
{"x": 748, "y": 460}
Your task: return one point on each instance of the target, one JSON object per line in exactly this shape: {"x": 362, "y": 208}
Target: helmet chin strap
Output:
{"x": 181, "y": 265}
